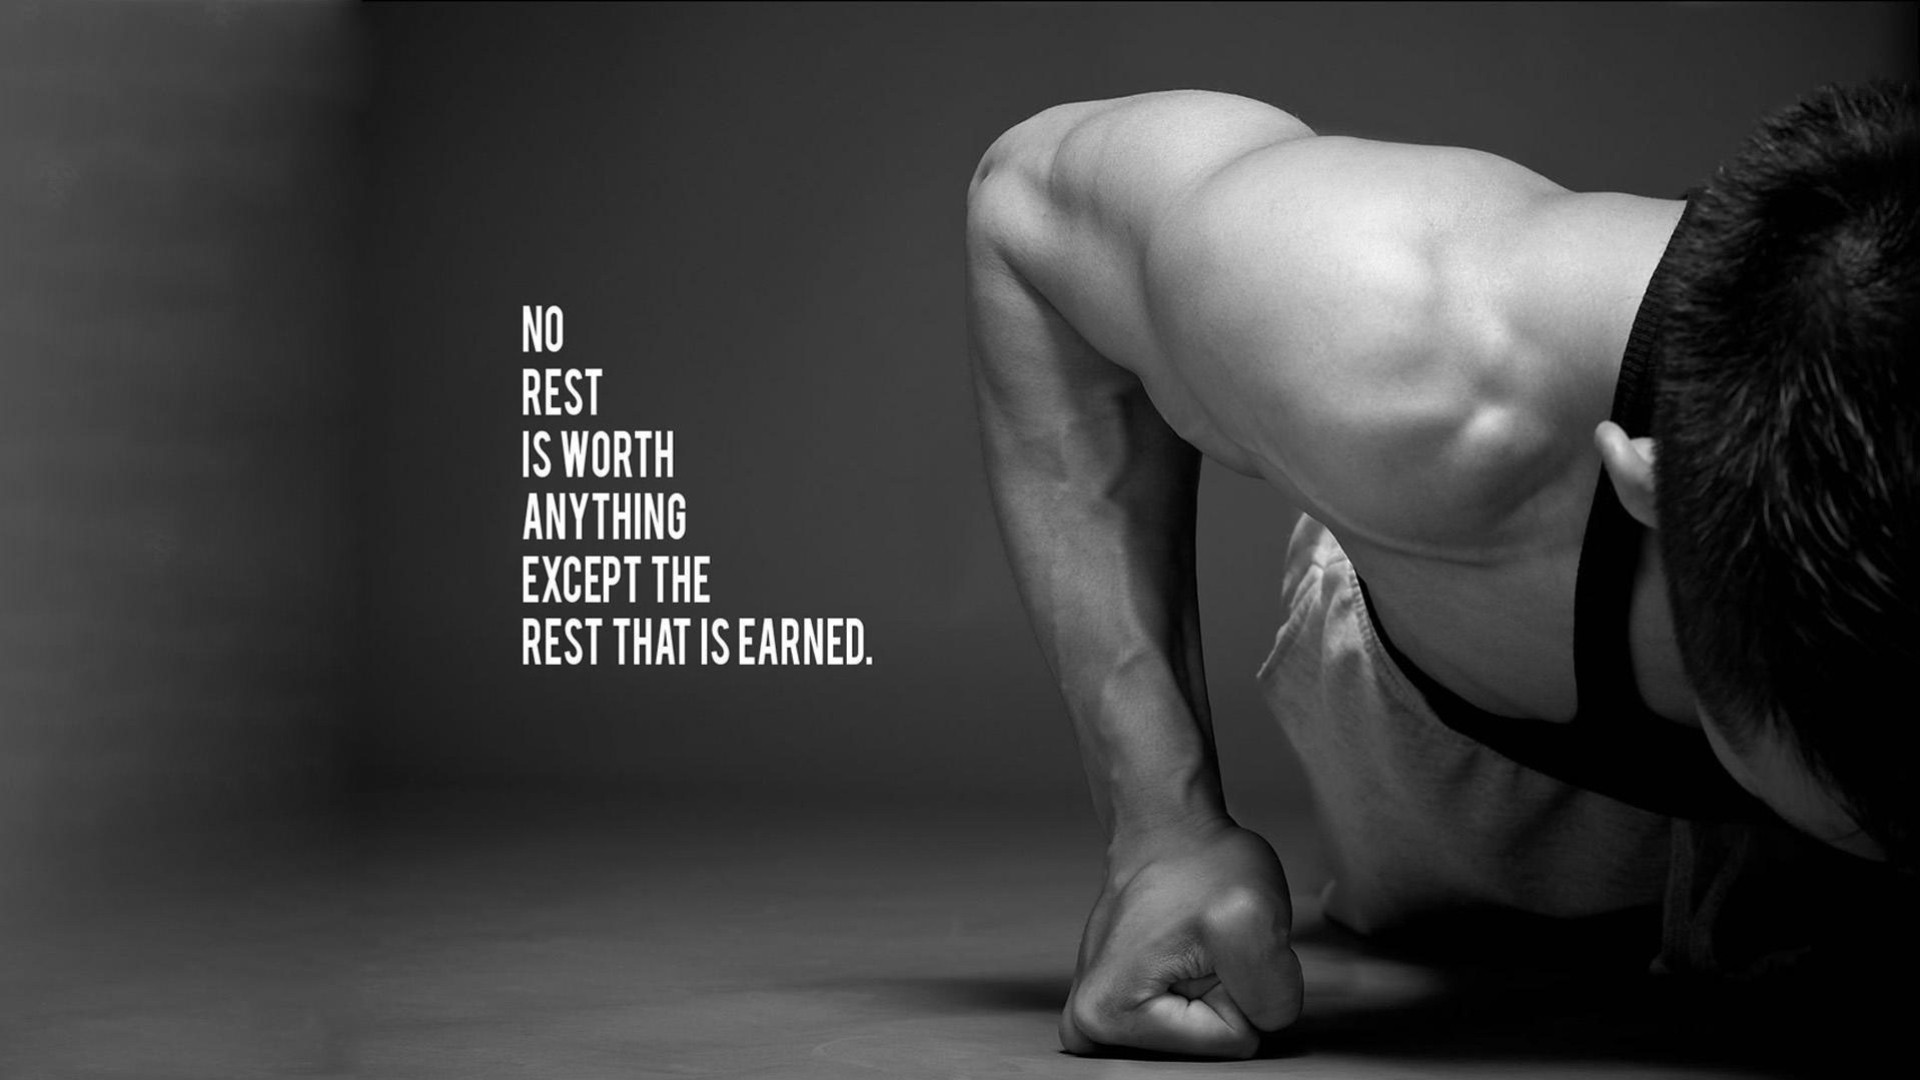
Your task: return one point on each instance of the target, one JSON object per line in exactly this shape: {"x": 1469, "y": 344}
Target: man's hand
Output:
{"x": 1186, "y": 951}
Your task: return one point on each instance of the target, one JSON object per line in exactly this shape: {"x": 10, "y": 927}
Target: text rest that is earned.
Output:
{"x": 746, "y": 642}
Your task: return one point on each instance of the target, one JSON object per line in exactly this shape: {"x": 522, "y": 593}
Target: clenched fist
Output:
{"x": 1186, "y": 951}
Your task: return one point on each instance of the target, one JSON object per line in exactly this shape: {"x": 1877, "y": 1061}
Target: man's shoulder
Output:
{"x": 1390, "y": 240}
{"x": 1402, "y": 337}
{"x": 1367, "y": 315}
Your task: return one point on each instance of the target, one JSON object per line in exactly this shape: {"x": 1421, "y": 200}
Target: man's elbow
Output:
{"x": 1002, "y": 201}
{"x": 997, "y": 158}
{"x": 1025, "y": 151}
{"x": 1009, "y": 194}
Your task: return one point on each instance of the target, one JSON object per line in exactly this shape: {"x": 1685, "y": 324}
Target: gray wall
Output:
{"x": 753, "y": 219}
{"x": 176, "y": 213}
{"x": 262, "y": 265}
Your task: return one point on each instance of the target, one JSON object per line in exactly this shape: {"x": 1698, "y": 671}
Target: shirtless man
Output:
{"x": 1422, "y": 349}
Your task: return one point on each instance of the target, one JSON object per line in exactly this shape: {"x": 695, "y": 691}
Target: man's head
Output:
{"x": 1787, "y": 477}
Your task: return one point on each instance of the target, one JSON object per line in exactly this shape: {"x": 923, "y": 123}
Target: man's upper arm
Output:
{"x": 1153, "y": 144}
{"x": 1058, "y": 215}
{"x": 1072, "y": 195}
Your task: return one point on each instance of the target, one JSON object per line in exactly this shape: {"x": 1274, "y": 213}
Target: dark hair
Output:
{"x": 1788, "y": 462}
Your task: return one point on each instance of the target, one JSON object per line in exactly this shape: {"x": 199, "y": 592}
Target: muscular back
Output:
{"x": 1413, "y": 344}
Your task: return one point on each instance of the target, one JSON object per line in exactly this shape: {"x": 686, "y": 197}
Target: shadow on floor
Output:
{"x": 962, "y": 993}
{"x": 1394, "y": 1004}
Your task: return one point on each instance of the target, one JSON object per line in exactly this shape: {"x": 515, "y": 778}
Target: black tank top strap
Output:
{"x": 1610, "y": 550}
{"x": 1656, "y": 765}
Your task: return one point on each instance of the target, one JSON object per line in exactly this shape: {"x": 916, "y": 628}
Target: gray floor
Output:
{"x": 687, "y": 943}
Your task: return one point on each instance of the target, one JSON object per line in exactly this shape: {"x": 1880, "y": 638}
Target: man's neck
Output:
{"x": 1584, "y": 268}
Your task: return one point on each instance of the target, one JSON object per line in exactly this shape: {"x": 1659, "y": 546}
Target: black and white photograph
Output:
{"x": 959, "y": 541}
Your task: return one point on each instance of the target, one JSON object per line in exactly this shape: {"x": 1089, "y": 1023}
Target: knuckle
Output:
{"x": 1089, "y": 1017}
{"x": 1242, "y": 909}
{"x": 1072, "y": 1040}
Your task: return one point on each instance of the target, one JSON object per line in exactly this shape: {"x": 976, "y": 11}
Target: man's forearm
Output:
{"x": 1096, "y": 500}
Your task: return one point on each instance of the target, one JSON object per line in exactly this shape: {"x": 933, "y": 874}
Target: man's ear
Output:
{"x": 1630, "y": 463}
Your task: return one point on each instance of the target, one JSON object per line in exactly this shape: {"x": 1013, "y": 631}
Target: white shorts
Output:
{"x": 1420, "y": 819}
